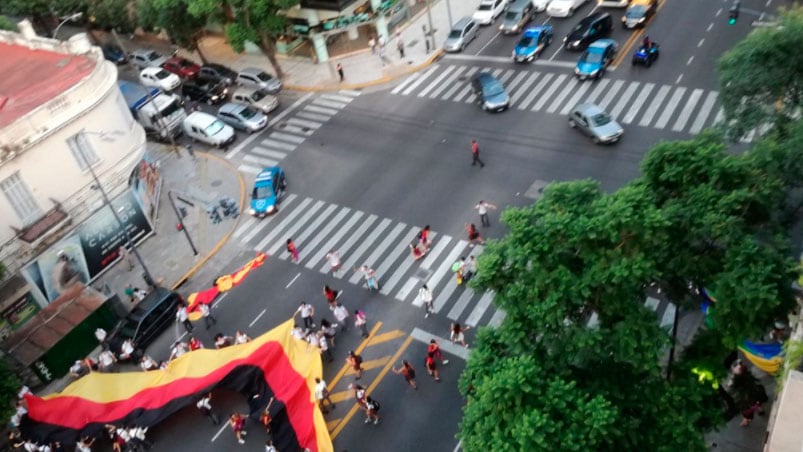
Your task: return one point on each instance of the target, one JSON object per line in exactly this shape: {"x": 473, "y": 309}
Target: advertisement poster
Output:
{"x": 146, "y": 182}
{"x": 90, "y": 249}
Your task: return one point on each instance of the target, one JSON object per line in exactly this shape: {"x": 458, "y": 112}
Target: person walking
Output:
{"x": 371, "y": 410}
{"x": 372, "y": 45}
{"x": 195, "y": 343}
{"x": 183, "y": 317}
{"x": 307, "y": 312}
{"x": 749, "y": 413}
{"x": 265, "y": 418}
{"x": 361, "y": 322}
{"x": 470, "y": 268}
{"x": 204, "y": 405}
{"x": 241, "y": 338}
{"x": 370, "y": 277}
{"x": 339, "y": 69}
{"x": 322, "y": 395}
{"x": 222, "y": 341}
{"x": 456, "y": 334}
{"x": 423, "y": 237}
{"x": 333, "y": 257}
{"x": 475, "y": 154}
{"x": 355, "y": 361}
{"x": 206, "y": 313}
{"x": 482, "y": 208}
{"x": 331, "y": 296}
{"x": 406, "y": 370}
{"x": 435, "y": 349}
{"x": 400, "y": 46}
{"x": 342, "y": 315}
{"x": 432, "y": 368}
{"x": 426, "y": 297}
{"x": 473, "y": 235}
{"x": 237, "y": 424}
{"x": 291, "y": 248}
{"x": 323, "y": 345}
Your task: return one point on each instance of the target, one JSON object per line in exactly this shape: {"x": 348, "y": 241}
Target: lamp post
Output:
{"x": 78, "y": 144}
{"x": 68, "y": 18}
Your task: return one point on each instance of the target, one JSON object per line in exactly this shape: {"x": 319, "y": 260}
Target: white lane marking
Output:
{"x": 401, "y": 249}
{"x": 219, "y": 300}
{"x": 268, "y": 153}
{"x": 267, "y": 142}
{"x": 624, "y": 98}
{"x": 265, "y": 221}
{"x": 435, "y": 82}
{"x": 493, "y": 59}
{"x": 434, "y": 252}
{"x": 298, "y": 130}
{"x": 446, "y": 268}
{"x": 256, "y": 318}
{"x": 420, "y": 80}
{"x": 336, "y": 98}
{"x": 615, "y": 87}
{"x": 404, "y": 84}
{"x": 556, "y": 53}
{"x": 700, "y": 44}
{"x": 287, "y": 137}
{"x": 286, "y": 220}
{"x": 719, "y": 11}
{"x": 330, "y": 245}
{"x": 399, "y": 273}
{"x": 489, "y": 42}
{"x": 575, "y": 99}
{"x": 328, "y": 111}
{"x": 514, "y": 98}
{"x": 479, "y": 310}
{"x": 220, "y": 430}
{"x": 291, "y": 232}
{"x": 460, "y": 305}
{"x": 304, "y": 123}
{"x": 243, "y": 227}
{"x": 349, "y": 92}
{"x": 366, "y": 243}
{"x": 691, "y": 58}
{"x": 292, "y": 280}
{"x": 680, "y": 77}
{"x": 506, "y": 77}
{"x": 446, "y": 344}
{"x": 330, "y": 225}
{"x": 601, "y": 84}
{"x": 685, "y": 113}
{"x": 558, "y": 102}
{"x": 549, "y": 92}
{"x": 389, "y": 239}
{"x": 457, "y": 447}
{"x": 497, "y": 318}
{"x": 276, "y": 119}
{"x": 316, "y": 117}
{"x": 705, "y": 110}
{"x": 260, "y": 161}
{"x": 456, "y": 86}
{"x": 356, "y": 236}
{"x": 534, "y": 92}
{"x": 670, "y": 108}
{"x": 768, "y": 3}
{"x": 302, "y": 236}
{"x": 710, "y": 26}
{"x": 654, "y": 105}
{"x": 448, "y": 82}
{"x": 329, "y": 103}
{"x": 511, "y": 87}
{"x": 640, "y": 99}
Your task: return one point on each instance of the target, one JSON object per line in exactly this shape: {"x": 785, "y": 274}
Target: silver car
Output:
{"x": 596, "y": 123}
{"x": 143, "y": 58}
{"x": 463, "y": 32}
{"x": 242, "y": 117}
{"x": 257, "y": 78}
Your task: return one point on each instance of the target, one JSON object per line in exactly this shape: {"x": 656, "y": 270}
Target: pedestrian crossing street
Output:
{"x": 646, "y": 104}
{"x": 383, "y": 244}
{"x": 286, "y": 135}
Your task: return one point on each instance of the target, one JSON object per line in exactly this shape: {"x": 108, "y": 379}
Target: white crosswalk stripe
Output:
{"x": 632, "y": 102}
{"x": 268, "y": 153}
{"x": 381, "y": 243}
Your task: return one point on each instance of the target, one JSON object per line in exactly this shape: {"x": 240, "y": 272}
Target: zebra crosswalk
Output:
{"x": 286, "y": 135}
{"x": 381, "y": 243}
{"x": 646, "y": 104}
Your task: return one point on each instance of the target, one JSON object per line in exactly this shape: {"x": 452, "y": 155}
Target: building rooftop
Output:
{"x": 31, "y": 77}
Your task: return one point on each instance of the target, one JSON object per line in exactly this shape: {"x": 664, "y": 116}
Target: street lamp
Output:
{"x": 68, "y": 18}
{"x": 79, "y": 145}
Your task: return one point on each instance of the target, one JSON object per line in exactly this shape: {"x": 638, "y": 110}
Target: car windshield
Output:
{"x": 258, "y": 95}
{"x": 527, "y": 41}
{"x": 600, "y": 119}
{"x": 185, "y": 64}
{"x": 492, "y": 87}
{"x": 485, "y": 7}
{"x": 263, "y": 192}
{"x": 265, "y": 77}
{"x": 635, "y": 12}
{"x": 247, "y": 113}
{"x": 512, "y": 15}
{"x": 153, "y": 56}
{"x": 592, "y": 57}
{"x": 455, "y": 34}
{"x": 163, "y": 74}
{"x": 578, "y": 28}
{"x": 214, "y": 128}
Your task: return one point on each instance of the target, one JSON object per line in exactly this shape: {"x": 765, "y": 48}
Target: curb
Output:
{"x": 431, "y": 59}
{"x": 226, "y": 237}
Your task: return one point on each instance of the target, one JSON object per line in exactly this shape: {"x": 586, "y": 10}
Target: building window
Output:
{"x": 21, "y": 198}
{"x": 82, "y": 151}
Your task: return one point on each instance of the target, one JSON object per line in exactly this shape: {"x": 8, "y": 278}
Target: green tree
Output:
{"x": 9, "y": 387}
{"x": 119, "y": 15}
{"x": 8, "y": 25}
{"x": 760, "y": 82}
{"x": 44, "y": 14}
{"x": 255, "y": 21}
{"x": 184, "y": 26}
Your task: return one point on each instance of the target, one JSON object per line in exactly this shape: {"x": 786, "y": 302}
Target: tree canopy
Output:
{"x": 760, "y": 82}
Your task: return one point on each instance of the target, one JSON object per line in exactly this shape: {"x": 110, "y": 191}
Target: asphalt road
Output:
{"x": 367, "y": 169}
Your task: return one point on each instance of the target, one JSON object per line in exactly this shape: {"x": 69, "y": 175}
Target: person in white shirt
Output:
{"x": 206, "y": 313}
{"x": 342, "y": 315}
{"x": 482, "y": 208}
{"x": 297, "y": 332}
{"x": 106, "y": 360}
{"x": 241, "y": 338}
{"x": 179, "y": 348}
{"x": 269, "y": 446}
{"x": 322, "y": 394}
{"x": 85, "y": 445}
{"x": 183, "y": 317}
{"x": 100, "y": 334}
{"x": 425, "y": 295}
{"x": 307, "y": 312}
{"x": 323, "y": 345}
{"x": 127, "y": 350}
{"x": 147, "y": 363}
{"x": 333, "y": 257}
{"x": 205, "y": 407}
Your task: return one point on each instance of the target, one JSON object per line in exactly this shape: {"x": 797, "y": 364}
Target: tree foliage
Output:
{"x": 9, "y": 387}
{"x": 698, "y": 217}
{"x": 8, "y": 25}
{"x": 760, "y": 82}
{"x": 177, "y": 17}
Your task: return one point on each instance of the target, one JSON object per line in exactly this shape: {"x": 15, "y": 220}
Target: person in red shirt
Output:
{"x": 432, "y": 369}
{"x": 475, "y": 154}
{"x": 195, "y": 343}
{"x": 291, "y": 248}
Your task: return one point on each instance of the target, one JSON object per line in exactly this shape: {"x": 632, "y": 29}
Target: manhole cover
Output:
{"x": 305, "y": 129}
{"x": 282, "y": 125}
{"x": 215, "y": 183}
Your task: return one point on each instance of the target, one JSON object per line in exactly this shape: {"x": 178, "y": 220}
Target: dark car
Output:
{"x": 638, "y": 13}
{"x": 491, "y": 95}
{"x": 114, "y": 53}
{"x": 147, "y": 320}
{"x": 591, "y": 28}
{"x": 218, "y": 72}
{"x": 205, "y": 90}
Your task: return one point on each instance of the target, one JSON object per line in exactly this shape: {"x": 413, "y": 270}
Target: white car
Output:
{"x": 159, "y": 78}
{"x": 488, "y": 11}
{"x": 564, "y": 8}
{"x": 209, "y": 129}
{"x": 540, "y": 5}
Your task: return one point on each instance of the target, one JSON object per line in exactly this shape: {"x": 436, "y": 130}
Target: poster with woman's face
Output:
{"x": 59, "y": 268}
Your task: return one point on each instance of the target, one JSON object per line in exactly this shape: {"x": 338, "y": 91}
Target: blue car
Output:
{"x": 532, "y": 43}
{"x": 596, "y": 58}
{"x": 269, "y": 189}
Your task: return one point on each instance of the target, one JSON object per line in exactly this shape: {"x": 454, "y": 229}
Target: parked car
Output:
{"x": 463, "y": 32}
{"x": 159, "y": 78}
{"x": 204, "y": 90}
{"x": 257, "y": 78}
{"x": 269, "y": 189}
{"x": 518, "y": 15}
{"x": 532, "y": 43}
{"x": 149, "y": 318}
{"x": 588, "y": 30}
{"x": 113, "y": 53}
{"x": 256, "y": 98}
{"x": 540, "y": 5}
{"x": 242, "y": 117}
{"x": 491, "y": 95}
{"x": 564, "y": 8}
{"x": 595, "y": 59}
{"x": 596, "y": 123}
{"x": 143, "y": 58}
{"x": 638, "y": 13}
{"x": 488, "y": 11}
{"x": 208, "y": 129}
{"x": 218, "y": 72}
{"x": 182, "y": 67}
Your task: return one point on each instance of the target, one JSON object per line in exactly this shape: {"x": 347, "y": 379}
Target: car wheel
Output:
{"x": 648, "y": 63}
{"x": 572, "y": 124}
{"x": 595, "y": 140}
{"x": 633, "y": 62}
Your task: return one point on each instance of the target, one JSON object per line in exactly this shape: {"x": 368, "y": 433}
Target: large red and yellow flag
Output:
{"x": 222, "y": 284}
{"x": 272, "y": 365}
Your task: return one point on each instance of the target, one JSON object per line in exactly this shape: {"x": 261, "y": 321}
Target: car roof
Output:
{"x": 484, "y": 77}
{"x": 267, "y": 174}
{"x": 244, "y": 90}
{"x": 588, "y": 108}
{"x": 593, "y": 17}
{"x": 462, "y": 22}
{"x": 602, "y": 43}
{"x": 201, "y": 119}
{"x": 151, "y": 70}
{"x": 231, "y": 107}
{"x": 252, "y": 71}
{"x": 143, "y": 52}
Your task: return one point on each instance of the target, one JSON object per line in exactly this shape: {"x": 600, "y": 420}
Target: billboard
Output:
{"x": 89, "y": 249}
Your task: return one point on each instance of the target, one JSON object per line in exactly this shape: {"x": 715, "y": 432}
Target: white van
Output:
{"x": 208, "y": 129}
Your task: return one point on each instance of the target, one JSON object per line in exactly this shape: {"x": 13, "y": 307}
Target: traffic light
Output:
{"x": 733, "y": 13}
